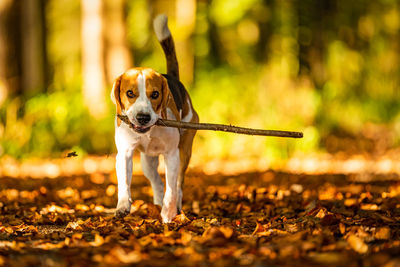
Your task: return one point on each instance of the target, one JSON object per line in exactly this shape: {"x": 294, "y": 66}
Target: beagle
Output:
{"x": 145, "y": 95}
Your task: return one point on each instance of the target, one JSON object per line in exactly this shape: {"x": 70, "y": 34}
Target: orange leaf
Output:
{"x": 357, "y": 244}
{"x": 185, "y": 238}
{"x": 259, "y": 228}
{"x": 382, "y": 233}
{"x": 98, "y": 241}
{"x": 124, "y": 257}
{"x": 153, "y": 211}
{"x": 181, "y": 218}
{"x": 77, "y": 236}
{"x": 74, "y": 226}
{"x": 227, "y": 231}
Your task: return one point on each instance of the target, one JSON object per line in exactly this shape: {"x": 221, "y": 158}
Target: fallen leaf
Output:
{"x": 357, "y": 244}
{"x": 181, "y": 218}
{"x": 122, "y": 256}
{"x": 342, "y": 228}
{"x": 382, "y": 233}
{"x": 227, "y": 231}
{"x": 73, "y": 226}
{"x": 98, "y": 241}
{"x": 259, "y": 228}
{"x": 321, "y": 213}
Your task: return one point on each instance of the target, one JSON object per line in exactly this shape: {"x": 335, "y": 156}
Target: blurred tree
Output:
{"x": 33, "y": 46}
{"x": 93, "y": 70}
{"x": 216, "y": 54}
{"x": 185, "y": 17}
{"x": 207, "y": 44}
{"x": 118, "y": 55}
{"x": 10, "y": 57}
{"x": 316, "y": 21}
{"x": 263, "y": 15}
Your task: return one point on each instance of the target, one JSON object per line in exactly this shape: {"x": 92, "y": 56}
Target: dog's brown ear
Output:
{"x": 166, "y": 98}
{"x": 116, "y": 98}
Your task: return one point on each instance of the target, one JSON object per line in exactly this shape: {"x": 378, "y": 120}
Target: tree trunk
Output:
{"x": 118, "y": 56}
{"x": 92, "y": 57}
{"x": 33, "y": 43}
{"x": 185, "y": 24}
{"x": 216, "y": 53}
{"x": 10, "y": 57}
{"x": 265, "y": 25}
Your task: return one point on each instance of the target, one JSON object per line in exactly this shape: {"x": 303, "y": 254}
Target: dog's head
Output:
{"x": 142, "y": 94}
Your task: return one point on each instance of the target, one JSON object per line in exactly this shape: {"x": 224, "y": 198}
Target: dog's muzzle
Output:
{"x": 142, "y": 119}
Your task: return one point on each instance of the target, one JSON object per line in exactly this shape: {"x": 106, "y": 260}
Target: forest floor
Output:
{"x": 252, "y": 219}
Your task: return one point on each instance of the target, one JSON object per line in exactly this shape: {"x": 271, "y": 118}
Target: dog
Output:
{"x": 144, "y": 96}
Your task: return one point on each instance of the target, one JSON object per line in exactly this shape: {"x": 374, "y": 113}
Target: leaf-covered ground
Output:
{"x": 249, "y": 219}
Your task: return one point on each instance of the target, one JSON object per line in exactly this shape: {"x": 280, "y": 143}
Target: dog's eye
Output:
{"x": 155, "y": 94}
{"x": 130, "y": 94}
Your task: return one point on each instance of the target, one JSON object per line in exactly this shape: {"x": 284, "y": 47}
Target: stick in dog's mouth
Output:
{"x": 216, "y": 127}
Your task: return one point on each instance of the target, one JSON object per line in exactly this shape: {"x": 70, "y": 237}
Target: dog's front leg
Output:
{"x": 169, "y": 209}
{"x": 124, "y": 176}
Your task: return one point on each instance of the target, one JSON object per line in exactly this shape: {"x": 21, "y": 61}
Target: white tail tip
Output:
{"x": 161, "y": 27}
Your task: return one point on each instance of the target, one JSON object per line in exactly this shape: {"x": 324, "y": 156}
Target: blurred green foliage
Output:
{"x": 51, "y": 124}
{"x": 323, "y": 67}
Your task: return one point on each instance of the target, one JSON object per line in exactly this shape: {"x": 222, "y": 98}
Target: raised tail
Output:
{"x": 167, "y": 43}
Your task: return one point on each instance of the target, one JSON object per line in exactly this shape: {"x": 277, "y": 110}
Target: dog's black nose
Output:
{"x": 143, "y": 118}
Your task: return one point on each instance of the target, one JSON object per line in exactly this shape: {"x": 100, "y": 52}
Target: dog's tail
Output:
{"x": 167, "y": 43}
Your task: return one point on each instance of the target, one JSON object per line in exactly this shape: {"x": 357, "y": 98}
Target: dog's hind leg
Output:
{"x": 169, "y": 210}
{"x": 185, "y": 153}
{"x": 149, "y": 167}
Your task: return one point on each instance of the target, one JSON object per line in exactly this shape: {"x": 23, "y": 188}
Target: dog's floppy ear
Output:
{"x": 165, "y": 97}
{"x": 116, "y": 98}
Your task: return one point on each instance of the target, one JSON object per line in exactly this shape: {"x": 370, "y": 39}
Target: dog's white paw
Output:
{"x": 168, "y": 213}
{"x": 123, "y": 208}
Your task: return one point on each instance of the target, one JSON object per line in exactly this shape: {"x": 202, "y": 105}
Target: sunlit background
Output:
{"x": 328, "y": 68}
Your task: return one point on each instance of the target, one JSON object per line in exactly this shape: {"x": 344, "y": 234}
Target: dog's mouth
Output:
{"x": 141, "y": 129}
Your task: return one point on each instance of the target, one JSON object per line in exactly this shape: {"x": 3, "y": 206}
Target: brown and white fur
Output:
{"x": 145, "y": 96}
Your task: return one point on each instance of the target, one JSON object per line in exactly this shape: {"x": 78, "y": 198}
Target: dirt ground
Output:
{"x": 255, "y": 219}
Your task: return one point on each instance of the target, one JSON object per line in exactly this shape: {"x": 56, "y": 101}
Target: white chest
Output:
{"x": 159, "y": 140}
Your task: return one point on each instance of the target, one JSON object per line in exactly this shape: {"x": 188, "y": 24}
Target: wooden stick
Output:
{"x": 218, "y": 127}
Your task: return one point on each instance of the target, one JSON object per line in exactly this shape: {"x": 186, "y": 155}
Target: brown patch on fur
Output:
{"x": 115, "y": 97}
